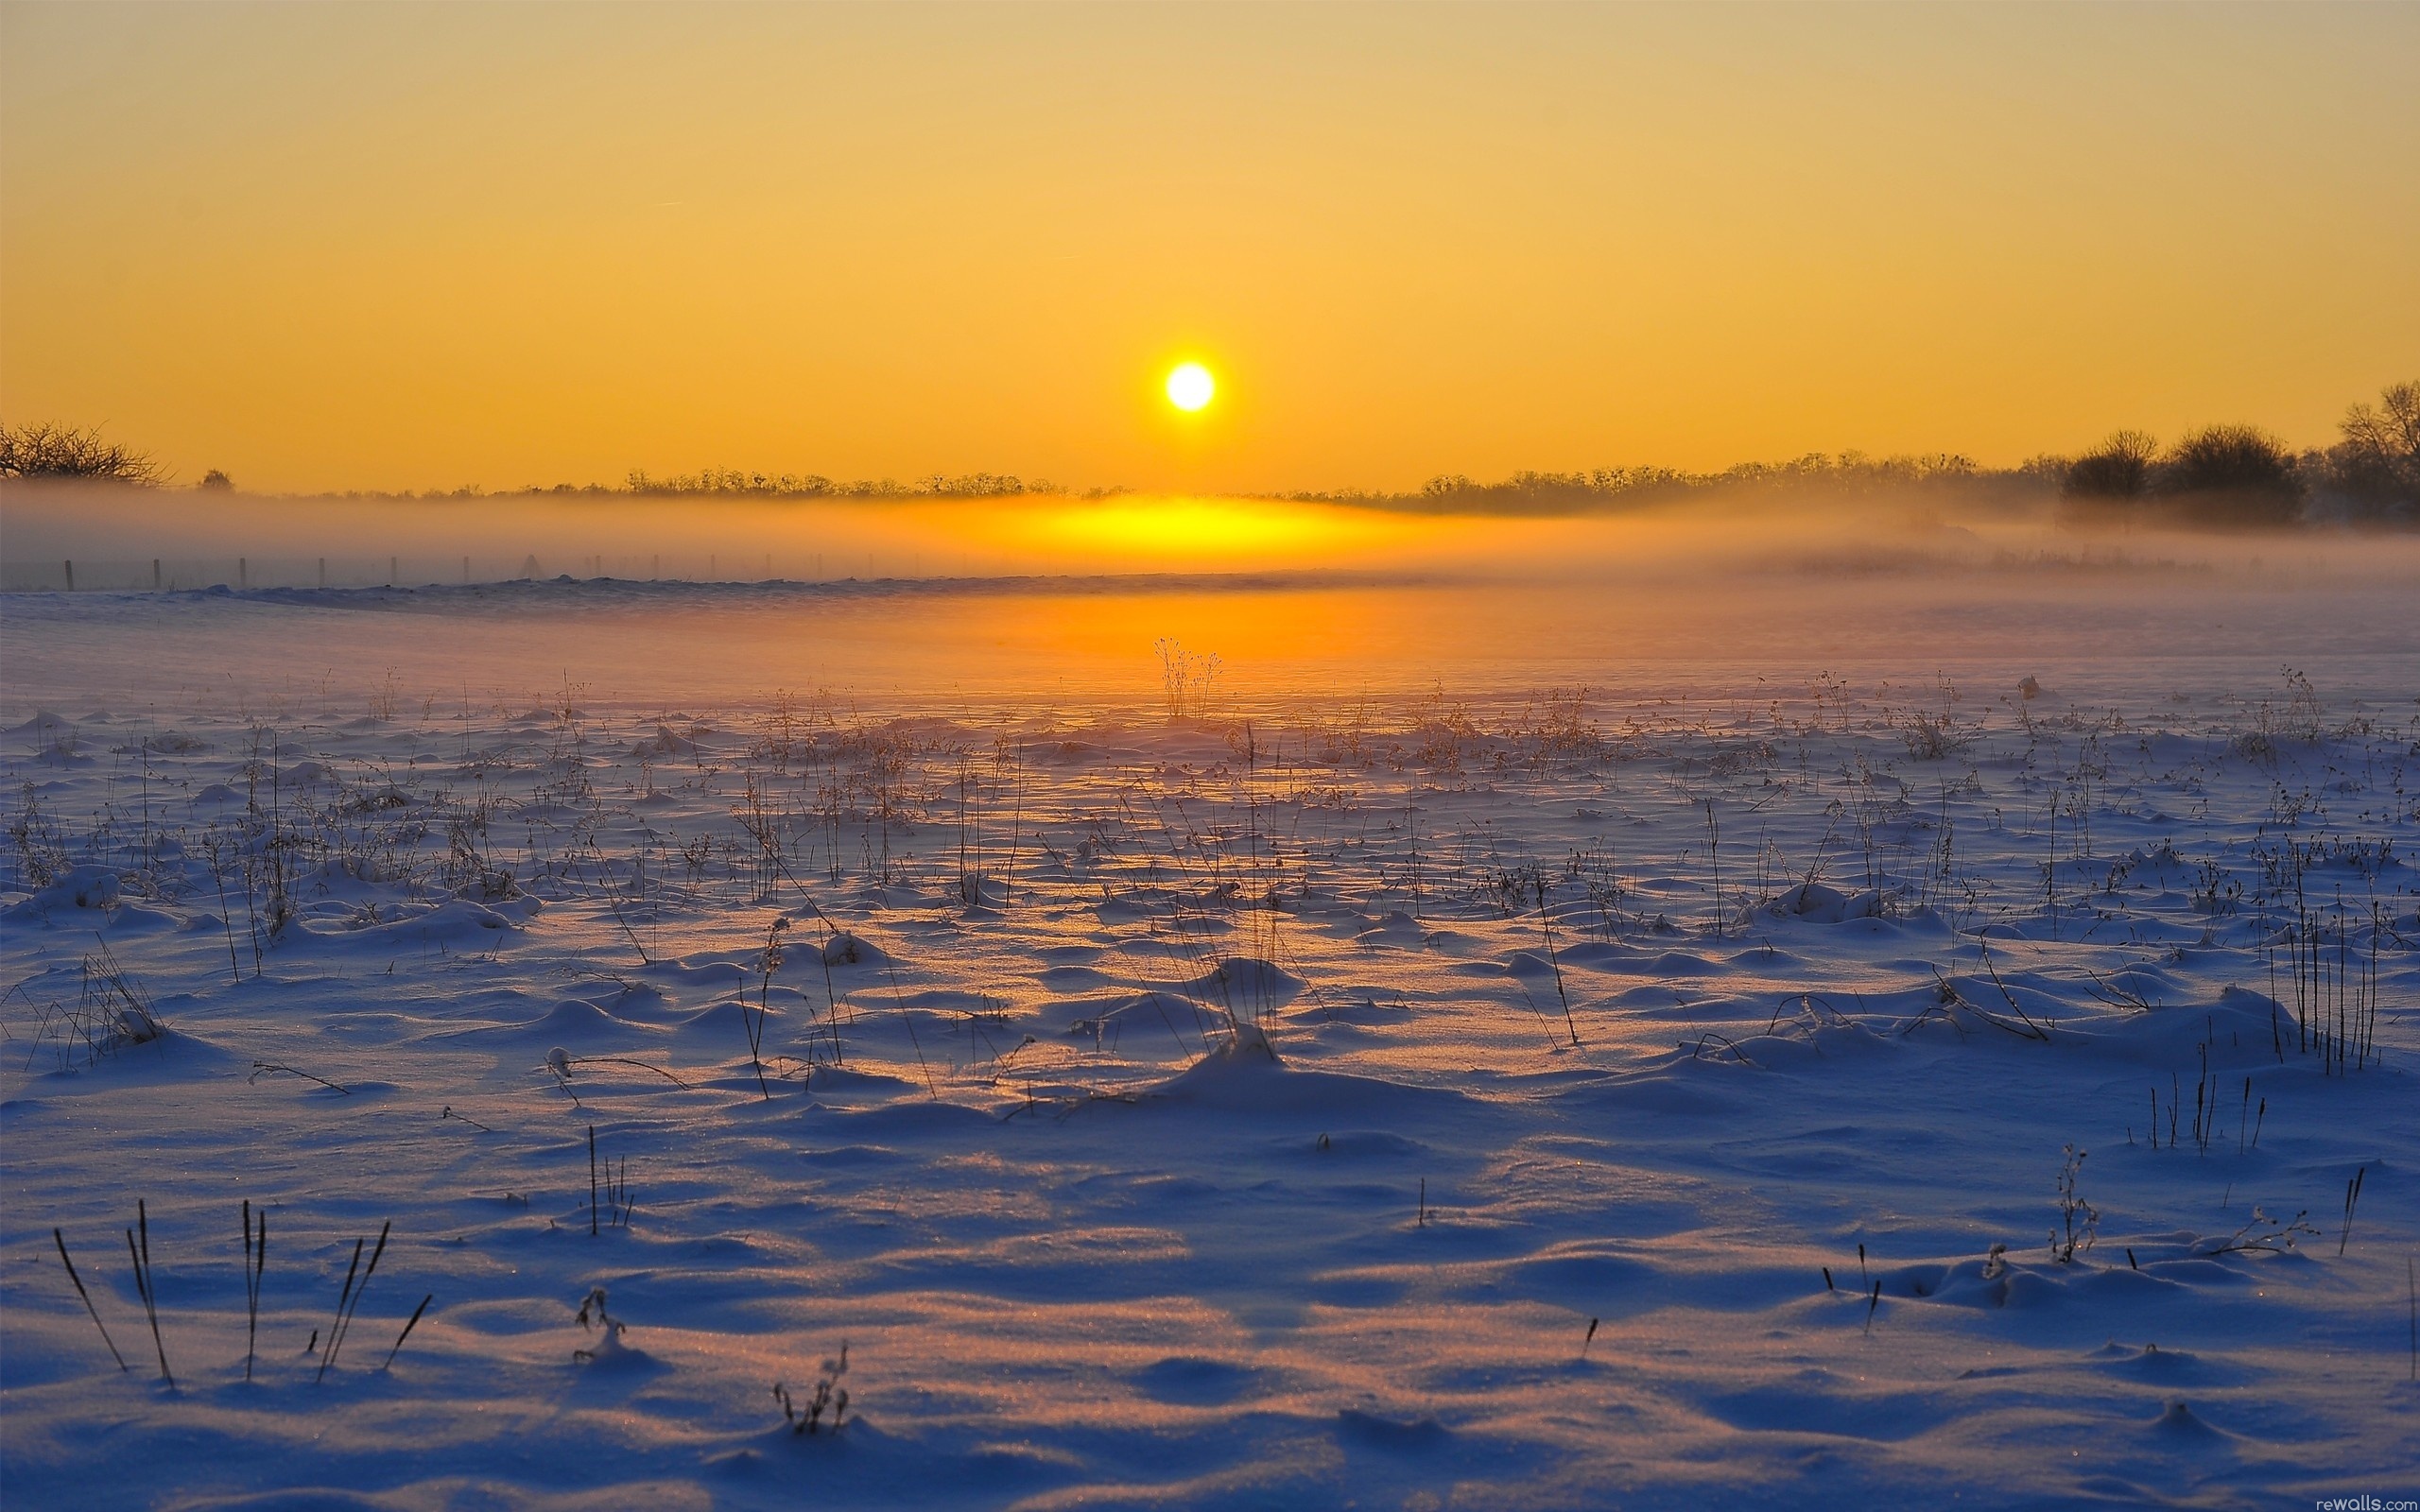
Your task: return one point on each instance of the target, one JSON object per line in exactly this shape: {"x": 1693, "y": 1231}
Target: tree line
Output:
{"x": 2223, "y": 476}
{"x": 2242, "y": 475}
{"x": 2234, "y": 477}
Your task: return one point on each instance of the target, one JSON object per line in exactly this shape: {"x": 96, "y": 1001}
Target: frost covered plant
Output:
{"x": 1996, "y": 1264}
{"x": 592, "y": 1316}
{"x": 828, "y": 1393}
{"x": 1931, "y": 738}
{"x": 559, "y": 1063}
{"x": 2214, "y": 891}
{"x": 42, "y": 852}
{"x": 2266, "y": 1235}
{"x": 768, "y": 962}
{"x": 2079, "y": 1220}
{"x": 1185, "y": 678}
{"x": 111, "y": 1013}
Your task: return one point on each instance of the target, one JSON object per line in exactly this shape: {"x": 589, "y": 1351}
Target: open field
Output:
{"x": 1468, "y": 1046}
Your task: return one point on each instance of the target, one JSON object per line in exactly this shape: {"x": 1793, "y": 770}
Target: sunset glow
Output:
{"x": 1193, "y": 532}
{"x": 507, "y": 245}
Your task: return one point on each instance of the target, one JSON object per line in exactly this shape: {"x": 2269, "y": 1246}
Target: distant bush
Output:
{"x": 2119, "y": 468}
{"x": 216, "y": 480}
{"x": 2222, "y": 459}
{"x": 68, "y": 453}
{"x": 2230, "y": 475}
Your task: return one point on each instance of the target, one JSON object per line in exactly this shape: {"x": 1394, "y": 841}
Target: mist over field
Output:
{"x": 954, "y": 599}
{"x": 117, "y": 533}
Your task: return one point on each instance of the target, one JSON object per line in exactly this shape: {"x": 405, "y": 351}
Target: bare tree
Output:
{"x": 2393, "y": 429}
{"x": 73, "y": 453}
{"x": 2119, "y": 468}
{"x": 2375, "y": 468}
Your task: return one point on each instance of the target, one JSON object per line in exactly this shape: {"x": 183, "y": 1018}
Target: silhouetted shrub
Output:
{"x": 215, "y": 479}
{"x": 68, "y": 453}
{"x": 2230, "y": 475}
{"x": 2119, "y": 468}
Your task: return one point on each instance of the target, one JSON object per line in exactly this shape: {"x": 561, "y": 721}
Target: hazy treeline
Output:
{"x": 2241, "y": 475}
{"x": 64, "y": 453}
{"x": 1603, "y": 488}
{"x": 2228, "y": 475}
{"x": 736, "y": 483}
{"x": 815, "y": 486}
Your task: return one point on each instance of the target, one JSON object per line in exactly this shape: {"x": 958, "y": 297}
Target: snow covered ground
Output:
{"x": 1403, "y": 1080}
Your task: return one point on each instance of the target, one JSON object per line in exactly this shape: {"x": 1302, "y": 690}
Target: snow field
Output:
{"x": 1533, "y": 1098}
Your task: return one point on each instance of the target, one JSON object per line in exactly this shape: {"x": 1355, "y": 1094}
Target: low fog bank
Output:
{"x": 150, "y": 538}
{"x": 1734, "y": 598}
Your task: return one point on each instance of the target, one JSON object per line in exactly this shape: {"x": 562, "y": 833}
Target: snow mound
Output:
{"x": 576, "y": 1022}
{"x": 1815, "y": 904}
{"x": 43, "y": 728}
{"x": 1246, "y": 981}
{"x": 1394, "y": 1435}
{"x": 720, "y": 1032}
{"x": 89, "y": 887}
{"x": 456, "y": 920}
{"x": 845, "y": 949}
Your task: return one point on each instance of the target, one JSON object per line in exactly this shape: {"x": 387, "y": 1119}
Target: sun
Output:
{"x": 1190, "y": 386}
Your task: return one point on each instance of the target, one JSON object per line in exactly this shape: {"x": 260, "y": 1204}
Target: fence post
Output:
{"x": 155, "y": 575}
{"x": 243, "y": 572}
{"x": 323, "y": 572}
{"x": 392, "y": 572}
{"x": 71, "y": 575}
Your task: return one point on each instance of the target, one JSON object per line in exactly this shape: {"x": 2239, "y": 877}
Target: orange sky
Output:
{"x": 328, "y": 247}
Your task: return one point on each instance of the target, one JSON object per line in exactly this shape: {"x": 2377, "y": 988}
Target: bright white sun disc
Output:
{"x": 1190, "y": 386}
